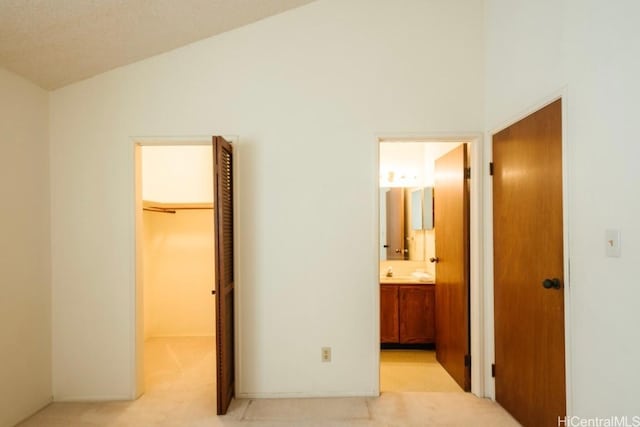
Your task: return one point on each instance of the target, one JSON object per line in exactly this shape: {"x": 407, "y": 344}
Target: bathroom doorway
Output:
{"x": 420, "y": 183}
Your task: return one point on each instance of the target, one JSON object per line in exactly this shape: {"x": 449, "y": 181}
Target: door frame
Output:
{"x": 136, "y": 295}
{"x": 566, "y": 191}
{"x": 476, "y": 249}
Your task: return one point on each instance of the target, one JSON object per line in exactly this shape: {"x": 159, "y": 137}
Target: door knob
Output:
{"x": 434, "y": 259}
{"x": 551, "y": 283}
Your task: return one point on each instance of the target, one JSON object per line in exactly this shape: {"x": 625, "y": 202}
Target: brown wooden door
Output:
{"x": 451, "y": 210}
{"x": 416, "y": 314}
{"x": 389, "y": 314}
{"x": 528, "y": 248}
{"x": 224, "y": 283}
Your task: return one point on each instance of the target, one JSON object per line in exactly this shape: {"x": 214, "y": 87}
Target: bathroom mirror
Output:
{"x": 406, "y": 218}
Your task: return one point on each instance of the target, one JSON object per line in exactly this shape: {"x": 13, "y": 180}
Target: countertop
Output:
{"x": 406, "y": 280}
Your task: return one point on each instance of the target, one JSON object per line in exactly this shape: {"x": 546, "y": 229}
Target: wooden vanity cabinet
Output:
{"x": 407, "y": 313}
{"x": 389, "y": 326}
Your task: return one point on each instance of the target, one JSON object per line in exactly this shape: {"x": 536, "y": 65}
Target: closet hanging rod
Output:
{"x": 174, "y": 209}
{"x": 161, "y": 210}
{"x": 183, "y": 208}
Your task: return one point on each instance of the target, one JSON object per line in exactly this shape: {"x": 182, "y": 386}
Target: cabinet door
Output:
{"x": 388, "y": 314}
{"x": 416, "y": 314}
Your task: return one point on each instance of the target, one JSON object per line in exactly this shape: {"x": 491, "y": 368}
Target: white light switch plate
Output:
{"x": 612, "y": 241}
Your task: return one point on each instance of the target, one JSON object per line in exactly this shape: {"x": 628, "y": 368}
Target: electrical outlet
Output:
{"x": 326, "y": 354}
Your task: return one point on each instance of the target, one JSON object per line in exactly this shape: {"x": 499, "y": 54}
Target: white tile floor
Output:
{"x": 181, "y": 393}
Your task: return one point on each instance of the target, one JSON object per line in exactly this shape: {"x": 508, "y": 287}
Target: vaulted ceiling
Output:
{"x": 57, "y": 42}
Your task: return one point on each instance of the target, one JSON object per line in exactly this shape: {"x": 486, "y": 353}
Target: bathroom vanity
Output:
{"x": 407, "y": 311}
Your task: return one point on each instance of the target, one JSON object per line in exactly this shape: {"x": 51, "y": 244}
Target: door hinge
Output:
{"x": 491, "y": 168}
{"x": 467, "y": 173}
{"x": 493, "y": 370}
{"x": 467, "y": 360}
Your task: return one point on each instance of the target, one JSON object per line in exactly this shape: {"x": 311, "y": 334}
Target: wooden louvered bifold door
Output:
{"x": 223, "y": 203}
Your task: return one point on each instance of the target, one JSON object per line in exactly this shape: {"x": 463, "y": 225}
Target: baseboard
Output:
{"x": 39, "y": 407}
{"x": 304, "y": 395}
{"x": 105, "y": 398}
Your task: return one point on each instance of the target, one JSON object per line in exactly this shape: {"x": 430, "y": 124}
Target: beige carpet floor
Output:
{"x": 181, "y": 393}
{"x": 414, "y": 370}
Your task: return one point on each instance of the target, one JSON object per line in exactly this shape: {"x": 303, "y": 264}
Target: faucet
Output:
{"x": 390, "y": 272}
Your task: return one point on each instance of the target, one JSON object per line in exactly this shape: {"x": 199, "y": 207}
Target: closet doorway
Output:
{"x": 184, "y": 271}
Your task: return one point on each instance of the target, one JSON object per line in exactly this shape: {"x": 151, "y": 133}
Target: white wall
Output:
{"x": 402, "y": 164}
{"x": 25, "y": 304}
{"x": 306, "y": 91}
{"x": 179, "y": 273}
{"x": 412, "y": 163}
{"x": 178, "y": 253}
{"x": 177, "y": 174}
{"x": 535, "y": 49}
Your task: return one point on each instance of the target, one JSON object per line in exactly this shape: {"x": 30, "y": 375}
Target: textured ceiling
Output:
{"x": 57, "y": 42}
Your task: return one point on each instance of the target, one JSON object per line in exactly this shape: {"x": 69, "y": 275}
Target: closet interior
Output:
{"x": 178, "y": 269}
